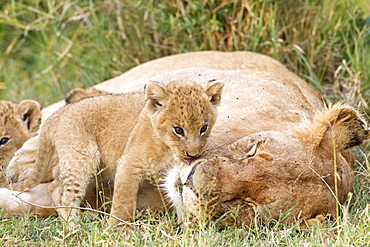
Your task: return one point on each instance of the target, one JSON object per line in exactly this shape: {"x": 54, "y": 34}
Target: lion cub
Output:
{"x": 132, "y": 136}
{"x": 18, "y": 123}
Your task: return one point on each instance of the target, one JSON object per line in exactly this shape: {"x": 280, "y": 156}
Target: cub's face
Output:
{"x": 18, "y": 123}
{"x": 183, "y": 114}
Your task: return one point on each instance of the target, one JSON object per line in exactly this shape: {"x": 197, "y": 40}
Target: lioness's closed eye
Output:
{"x": 136, "y": 131}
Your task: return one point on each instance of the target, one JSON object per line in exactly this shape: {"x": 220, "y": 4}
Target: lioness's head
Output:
{"x": 183, "y": 114}
{"x": 18, "y": 123}
{"x": 300, "y": 173}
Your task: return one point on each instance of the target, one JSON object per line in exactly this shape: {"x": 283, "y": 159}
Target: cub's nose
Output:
{"x": 192, "y": 155}
{"x": 189, "y": 179}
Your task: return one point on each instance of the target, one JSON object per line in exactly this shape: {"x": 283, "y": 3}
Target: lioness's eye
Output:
{"x": 4, "y": 141}
{"x": 253, "y": 150}
{"x": 179, "y": 131}
{"x": 203, "y": 129}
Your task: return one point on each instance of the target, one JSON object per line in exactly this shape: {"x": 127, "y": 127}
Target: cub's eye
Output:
{"x": 4, "y": 141}
{"x": 203, "y": 129}
{"x": 179, "y": 131}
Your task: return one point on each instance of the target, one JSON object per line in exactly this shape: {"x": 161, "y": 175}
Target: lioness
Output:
{"x": 271, "y": 148}
{"x": 18, "y": 123}
{"x": 95, "y": 135}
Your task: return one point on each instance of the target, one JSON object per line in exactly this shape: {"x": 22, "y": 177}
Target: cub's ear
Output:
{"x": 29, "y": 113}
{"x": 79, "y": 94}
{"x": 156, "y": 96}
{"x": 340, "y": 124}
{"x": 214, "y": 91}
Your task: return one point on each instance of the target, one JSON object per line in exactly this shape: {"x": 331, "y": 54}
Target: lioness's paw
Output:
{"x": 23, "y": 162}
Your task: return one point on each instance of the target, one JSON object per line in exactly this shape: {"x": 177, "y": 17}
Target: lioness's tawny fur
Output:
{"x": 90, "y": 136}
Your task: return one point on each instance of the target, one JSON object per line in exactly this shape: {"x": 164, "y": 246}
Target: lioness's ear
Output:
{"x": 156, "y": 96}
{"x": 29, "y": 112}
{"x": 340, "y": 124}
{"x": 214, "y": 92}
{"x": 245, "y": 147}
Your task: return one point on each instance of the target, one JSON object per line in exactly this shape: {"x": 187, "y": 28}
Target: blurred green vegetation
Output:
{"x": 364, "y": 5}
{"x": 48, "y": 47}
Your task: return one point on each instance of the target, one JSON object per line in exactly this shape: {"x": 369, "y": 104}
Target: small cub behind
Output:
{"x": 18, "y": 123}
{"x": 139, "y": 134}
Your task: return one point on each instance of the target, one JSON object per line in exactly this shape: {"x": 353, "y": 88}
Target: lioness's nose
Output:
{"x": 189, "y": 179}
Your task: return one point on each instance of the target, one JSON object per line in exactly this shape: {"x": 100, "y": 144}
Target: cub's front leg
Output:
{"x": 126, "y": 186}
{"x": 75, "y": 170}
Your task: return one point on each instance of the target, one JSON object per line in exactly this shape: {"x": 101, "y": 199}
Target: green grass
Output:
{"x": 49, "y": 47}
{"x": 157, "y": 229}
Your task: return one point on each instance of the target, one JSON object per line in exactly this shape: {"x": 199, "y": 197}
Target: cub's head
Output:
{"x": 183, "y": 114}
{"x": 18, "y": 123}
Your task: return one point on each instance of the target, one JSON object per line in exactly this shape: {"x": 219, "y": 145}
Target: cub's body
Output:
{"x": 90, "y": 138}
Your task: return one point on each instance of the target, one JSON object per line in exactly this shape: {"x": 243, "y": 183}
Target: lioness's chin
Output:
{"x": 182, "y": 197}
